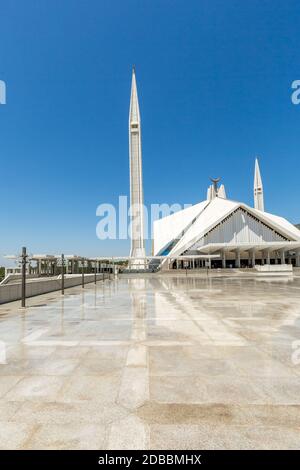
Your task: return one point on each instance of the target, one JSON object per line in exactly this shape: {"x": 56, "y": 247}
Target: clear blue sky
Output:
{"x": 214, "y": 80}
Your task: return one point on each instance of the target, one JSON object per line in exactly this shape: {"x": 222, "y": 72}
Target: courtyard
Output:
{"x": 155, "y": 362}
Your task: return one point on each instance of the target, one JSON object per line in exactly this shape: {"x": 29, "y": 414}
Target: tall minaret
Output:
{"x": 136, "y": 179}
{"x": 258, "y": 189}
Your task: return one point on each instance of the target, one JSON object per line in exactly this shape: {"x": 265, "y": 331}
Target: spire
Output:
{"x": 258, "y": 189}
{"x": 222, "y": 192}
{"x": 210, "y": 193}
{"x": 134, "y": 111}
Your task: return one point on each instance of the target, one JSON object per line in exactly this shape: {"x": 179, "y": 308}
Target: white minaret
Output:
{"x": 136, "y": 180}
{"x": 258, "y": 189}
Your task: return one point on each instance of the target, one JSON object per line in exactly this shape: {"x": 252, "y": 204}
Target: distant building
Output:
{"x": 15, "y": 270}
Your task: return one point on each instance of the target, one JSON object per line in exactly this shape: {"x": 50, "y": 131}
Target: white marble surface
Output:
{"x": 157, "y": 362}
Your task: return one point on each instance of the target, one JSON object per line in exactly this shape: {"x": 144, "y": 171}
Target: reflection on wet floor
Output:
{"x": 155, "y": 362}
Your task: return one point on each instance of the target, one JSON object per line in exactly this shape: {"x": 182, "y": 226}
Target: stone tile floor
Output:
{"x": 162, "y": 362}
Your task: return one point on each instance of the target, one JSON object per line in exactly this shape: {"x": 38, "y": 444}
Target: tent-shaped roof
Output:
{"x": 171, "y": 227}
{"x": 184, "y": 228}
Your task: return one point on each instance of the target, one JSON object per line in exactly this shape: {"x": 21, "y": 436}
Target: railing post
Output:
{"x": 62, "y": 274}
{"x": 24, "y": 260}
{"x": 82, "y": 275}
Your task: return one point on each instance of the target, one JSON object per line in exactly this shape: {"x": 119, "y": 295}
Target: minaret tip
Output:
{"x": 134, "y": 113}
{"x": 258, "y": 188}
{"x": 257, "y": 175}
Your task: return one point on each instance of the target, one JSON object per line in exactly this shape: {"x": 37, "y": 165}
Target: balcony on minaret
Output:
{"x": 134, "y": 126}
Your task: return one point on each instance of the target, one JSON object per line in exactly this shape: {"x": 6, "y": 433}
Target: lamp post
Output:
{"x": 82, "y": 274}
{"x": 63, "y": 274}
{"x": 23, "y": 262}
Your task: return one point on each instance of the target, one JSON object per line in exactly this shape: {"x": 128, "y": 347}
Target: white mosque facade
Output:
{"x": 217, "y": 232}
{"x": 232, "y": 233}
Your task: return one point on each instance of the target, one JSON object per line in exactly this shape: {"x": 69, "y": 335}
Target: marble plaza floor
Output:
{"x": 163, "y": 362}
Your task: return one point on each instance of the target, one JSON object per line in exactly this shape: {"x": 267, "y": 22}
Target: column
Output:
{"x": 282, "y": 257}
{"x": 298, "y": 259}
{"x": 253, "y": 259}
{"x": 268, "y": 257}
{"x": 237, "y": 259}
{"x": 223, "y": 260}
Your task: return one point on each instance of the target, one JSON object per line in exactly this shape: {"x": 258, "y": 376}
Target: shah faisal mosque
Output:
{"x": 216, "y": 232}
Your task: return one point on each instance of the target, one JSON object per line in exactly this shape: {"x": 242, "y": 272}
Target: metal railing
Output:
{"x": 84, "y": 266}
